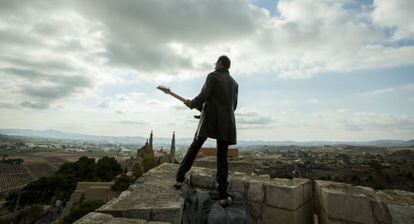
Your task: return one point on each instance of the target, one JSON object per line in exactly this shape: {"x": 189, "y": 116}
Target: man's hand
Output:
{"x": 187, "y": 103}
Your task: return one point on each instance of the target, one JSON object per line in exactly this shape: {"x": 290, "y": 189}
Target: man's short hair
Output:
{"x": 225, "y": 61}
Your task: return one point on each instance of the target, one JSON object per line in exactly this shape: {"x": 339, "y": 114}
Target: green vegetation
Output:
{"x": 63, "y": 182}
{"x": 107, "y": 168}
{"x": 81, "y": 209}
{"x": 11, "y": 161}
{"x": 122, "y": 183}
{"x": 27, "y": 215}
{"x": 137, "y": 170}
{"x": 148, "y": 163}
{"x": 30, "y": 214}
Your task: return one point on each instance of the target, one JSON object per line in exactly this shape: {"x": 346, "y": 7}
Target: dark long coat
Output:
{"x": 217, "y": 102}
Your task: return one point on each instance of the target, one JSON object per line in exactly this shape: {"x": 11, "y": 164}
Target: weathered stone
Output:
{"x": 202, "y": 177}
{"x": 288, "y": 196}
{"x": 337, "y": 205}
{"x": 303, "y": 215}
{"x": 308, "y": 192}
{"x": 98, "y": 218}
{"x": 203, "y": 181}
{"x": 354, "y": 204}
{"x": 256, "y": 209}
{"x": 265, "y": 176}
{"x": 380, "y": 212}
{"x": 255, "y": 192}
{"x": 172, "y": 215}
{"x": 401, "y": 214}
{"x": 237, "y": 185}
{"x": 299, "y": 191}
{"x": 324, "y": 219}
{"x": 152, "y": 198}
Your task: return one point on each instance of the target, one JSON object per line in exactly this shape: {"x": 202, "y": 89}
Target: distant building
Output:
{"x": 204, "y": 152}
{"x": 172, "y": 150}
{"x": 147, "y": 149}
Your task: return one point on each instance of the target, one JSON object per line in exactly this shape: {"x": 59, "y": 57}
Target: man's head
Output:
{"x": 223, "y": 62}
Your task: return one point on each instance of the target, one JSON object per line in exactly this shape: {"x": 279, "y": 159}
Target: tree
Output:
{"x": 137, "y": 170}
{"x": 30, "y": 214}
{"x": 86, "y": 168}
{"x": 148, "y": 163}
{"x": 122, "y": 183}
{"x": 83, "y": 169}
{"x": 107, "y": 168}
{"x": 81, "y": 209}
{"x": 59, "y": 185}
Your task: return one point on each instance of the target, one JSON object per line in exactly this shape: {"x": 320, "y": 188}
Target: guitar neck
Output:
{"x": 177, "y": 97}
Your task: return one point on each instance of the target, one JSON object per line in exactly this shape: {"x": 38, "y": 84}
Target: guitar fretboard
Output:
{"x": 177, "y": 97}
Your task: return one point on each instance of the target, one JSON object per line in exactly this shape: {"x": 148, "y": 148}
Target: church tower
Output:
{"x": 143, "y": 150}
{"x": 172, "y": 151}
{"x": 151, "y": 142}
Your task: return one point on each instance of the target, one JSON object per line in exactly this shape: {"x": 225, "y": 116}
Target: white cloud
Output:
{"x": 157, "y": 39}
{"x": 247, "y": 118}
{"x": 408, "y": 87}
{"x": 79, "y": 55}
{"x": 341, "y": 124}
{"x": 397, "y": 14}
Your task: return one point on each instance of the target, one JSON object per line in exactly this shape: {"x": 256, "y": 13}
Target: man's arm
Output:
{"x": 204, "y": 95}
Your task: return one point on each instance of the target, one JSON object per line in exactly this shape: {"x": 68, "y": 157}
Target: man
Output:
{"x": 217, "y": 102}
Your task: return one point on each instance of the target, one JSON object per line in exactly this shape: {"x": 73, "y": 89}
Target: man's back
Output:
{"x": 225, "y": 91}
{"x": 220, "y": 94}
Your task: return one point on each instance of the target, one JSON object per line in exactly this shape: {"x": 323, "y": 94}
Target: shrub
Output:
{"x": 81, "y": 209}
{"x": 148, "y": 163}
{"x": 30, "y": 214}
{"x": 137, "y": 170}
{"x": 122, "y": 183}
{"x": 107, "y": 168}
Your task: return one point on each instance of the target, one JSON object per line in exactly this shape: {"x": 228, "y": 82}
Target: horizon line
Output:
{"x": 264, "y": 140}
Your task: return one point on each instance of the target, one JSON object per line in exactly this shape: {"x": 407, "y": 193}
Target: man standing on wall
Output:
{"x": 217, "y": 102}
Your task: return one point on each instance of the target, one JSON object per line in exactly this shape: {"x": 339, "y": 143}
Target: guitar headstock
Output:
{"x": 165, "y": 89}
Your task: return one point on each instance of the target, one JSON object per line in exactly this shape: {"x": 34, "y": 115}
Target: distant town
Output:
{"x": 30, "y": 157}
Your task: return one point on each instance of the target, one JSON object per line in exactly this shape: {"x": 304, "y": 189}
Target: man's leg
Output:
{"x": 222, "y": 168}
{"x": 189, "y": 158}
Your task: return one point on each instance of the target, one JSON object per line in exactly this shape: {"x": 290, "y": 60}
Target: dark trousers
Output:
{"x": 222, "y": 162}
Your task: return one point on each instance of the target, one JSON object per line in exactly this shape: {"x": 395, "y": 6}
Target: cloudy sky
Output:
{"x": 307, "y": 70}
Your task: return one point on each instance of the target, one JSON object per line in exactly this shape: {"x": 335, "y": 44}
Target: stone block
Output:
{"x": 288, "y": 196}
{"x": 255, "y": 192}
{"x": 337, "y": 205}
{"x": 166, "y": 215}
{"x": 237, "y": 185}
{"x": 380, "y": 212}
{"x": 98, "y": 218}
{"x": 201, "y": 180}
{"x": 324, "y": 219}
{"x": 302, "y": 215}
{"x": 256, "y": 209}
{"x": 401, "y": 214}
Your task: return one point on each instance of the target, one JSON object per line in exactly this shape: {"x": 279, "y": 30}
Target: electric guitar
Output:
{"x": 167, "y": 90}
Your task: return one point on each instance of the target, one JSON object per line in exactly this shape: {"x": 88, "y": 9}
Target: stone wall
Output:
{"x": 234, "y": 165}
{"x": 270, "y": 200}
{"x": 150, "y": 198}
{"x": 341, "y": 203}
{"x": 277, "y": 201}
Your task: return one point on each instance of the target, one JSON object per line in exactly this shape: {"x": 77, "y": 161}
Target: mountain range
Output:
{"x": 55, "y": 134}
